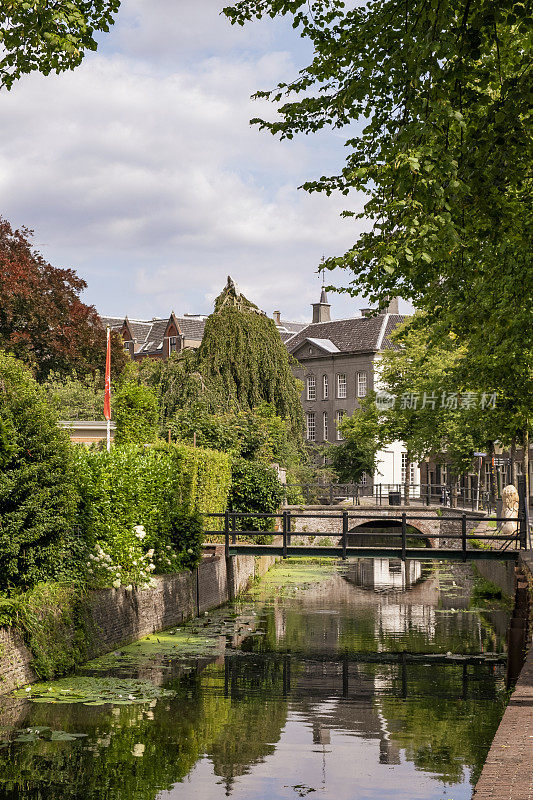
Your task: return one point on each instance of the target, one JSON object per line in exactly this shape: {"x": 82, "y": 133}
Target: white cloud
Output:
{"x": 148, "y": 179}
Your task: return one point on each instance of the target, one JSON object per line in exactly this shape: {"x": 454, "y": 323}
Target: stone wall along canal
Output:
{"x": 362, "y": 681}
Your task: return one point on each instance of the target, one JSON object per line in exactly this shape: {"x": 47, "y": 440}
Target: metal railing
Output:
{"x": 394, "y": 494}
{"x": 399, "y": 531}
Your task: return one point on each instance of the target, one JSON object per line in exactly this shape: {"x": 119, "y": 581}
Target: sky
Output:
{"x": 140, "y": 169}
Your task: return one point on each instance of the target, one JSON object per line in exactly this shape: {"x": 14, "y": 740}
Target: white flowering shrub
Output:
{"x": 127, "y": 565}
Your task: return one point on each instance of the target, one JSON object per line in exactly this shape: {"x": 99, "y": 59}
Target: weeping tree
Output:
{"x": 241, "y": 364}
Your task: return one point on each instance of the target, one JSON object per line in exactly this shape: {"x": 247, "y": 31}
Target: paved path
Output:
{"x": 508, "y": 771}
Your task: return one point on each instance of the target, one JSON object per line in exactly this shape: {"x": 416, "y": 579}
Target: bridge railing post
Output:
{"x": 233, "y": 529}
{"x": 463, "y": 535}
{"x": 289, "y": 533}
{"x": 344, "y": 533}
{"x": 404, "y": 535}
{"x": 226, "y": 533}
{"x": 284, "y": 534}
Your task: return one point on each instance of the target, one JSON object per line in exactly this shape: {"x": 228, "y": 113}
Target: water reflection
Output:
{"x": 337, "y": 692}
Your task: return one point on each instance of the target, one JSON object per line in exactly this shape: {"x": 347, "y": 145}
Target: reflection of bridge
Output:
{"x": 402, "y": 534}
{"x": 329, "y": 676}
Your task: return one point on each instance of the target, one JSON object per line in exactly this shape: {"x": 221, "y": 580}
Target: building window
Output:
{"x": 325, "y": 425}
{"x": 311, "y": 387}
{"x": 128, "y": 346}
{"x": 325, "y": 387}
{"x": 311, "y": 426}
{"x": 411, "y": 469}
{"x": 341, "y": 386}
{"x": 364, "y": 479}
{"x": 339, "y": 417}
{"x": 361, "y": 384}
{"x": 172, "y": 344}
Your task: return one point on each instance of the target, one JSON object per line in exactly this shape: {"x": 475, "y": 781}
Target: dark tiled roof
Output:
{"x": 286, "y": 335}
{"x": 155, "y": 336}
{"x": 358, "y": 334}
{"x": 192, "y": 328}
{"x": 393, "y": 321}
{"x": 115, "y": 323}
{"x": 139, "y": 329}
{"x": 292, "y": 327}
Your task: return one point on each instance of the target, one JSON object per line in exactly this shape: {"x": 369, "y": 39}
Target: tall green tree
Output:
{"x": 37, "y": 494}
{"x": 435, "y": 97}
{"x": 49, "y": 36}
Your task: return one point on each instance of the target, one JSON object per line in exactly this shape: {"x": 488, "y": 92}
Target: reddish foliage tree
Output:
{"x": 43, "y": 321}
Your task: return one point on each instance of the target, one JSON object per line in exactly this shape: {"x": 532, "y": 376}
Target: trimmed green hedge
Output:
{"x": 133, "y": 486}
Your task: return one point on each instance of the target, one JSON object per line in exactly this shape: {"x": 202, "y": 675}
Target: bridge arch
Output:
{"x": 382, "y": 522}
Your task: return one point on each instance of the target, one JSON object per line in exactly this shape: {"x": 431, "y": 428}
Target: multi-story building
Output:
{"x": 339, "y": 365}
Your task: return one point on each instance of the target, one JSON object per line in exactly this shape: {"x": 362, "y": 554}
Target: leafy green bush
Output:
{"x": 54, "y": 621}
{"x": 37, "y": 492}
{"x": 254, "y": 488}
{"x": 186, "y": 536}
{"x": 130, "y": 500}
{"x": 135, "y": 413}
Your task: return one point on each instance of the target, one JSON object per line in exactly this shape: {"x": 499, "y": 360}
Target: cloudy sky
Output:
{"x": 140, "y": 169}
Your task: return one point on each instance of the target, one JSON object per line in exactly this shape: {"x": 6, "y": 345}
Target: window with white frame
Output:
{"x": 341, "y": 386}
{"x": 172, "y": 344}
{"x": 325, "y": 425}
{"x": 311, "y": 387}
{"x": 128, "y": 345}
{"x": 311, "y": 426}
{"x": 404, "y": 468}
{"x": 361, "y": 384}
{"x": 364, "y": 479}
{"x": 338, "y": 419}
{"x": 325, "y": 387}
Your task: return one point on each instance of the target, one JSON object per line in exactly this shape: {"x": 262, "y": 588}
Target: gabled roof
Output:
{"x": 354, "y": 335}
{"x": 149, "y": 334}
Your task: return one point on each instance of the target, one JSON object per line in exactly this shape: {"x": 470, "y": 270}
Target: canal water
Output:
{"x": 359, "y": 681}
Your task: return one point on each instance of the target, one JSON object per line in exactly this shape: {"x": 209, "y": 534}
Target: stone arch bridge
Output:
{"x": 438, "y": 528}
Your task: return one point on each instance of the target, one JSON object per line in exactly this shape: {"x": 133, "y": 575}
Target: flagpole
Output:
{"x": 107, "y": 394}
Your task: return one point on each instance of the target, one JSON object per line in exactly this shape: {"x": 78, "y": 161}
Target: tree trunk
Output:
{"x": 407, "y": 484}
{"x": 513, "y": 462}
{"x": 526, "y": 465}
{"x": 493, "y": 487}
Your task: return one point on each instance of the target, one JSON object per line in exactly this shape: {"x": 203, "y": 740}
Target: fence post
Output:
{"x": 344, "y": 533}
{"x": 331, "y": 494}
{"x": 233, "y": 530}
{"x": 288, "y": 527}
{"x": 284, "y": 534}
{"x": 404, "y": 535}
{"x": 226, "y": 533}
{"x": 463, "y": 535}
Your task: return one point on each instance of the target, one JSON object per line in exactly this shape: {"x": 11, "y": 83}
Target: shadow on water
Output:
{"x": 366, "y": 681}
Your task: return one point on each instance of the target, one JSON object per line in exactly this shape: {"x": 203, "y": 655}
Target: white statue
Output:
{"x": 510, "y": 509}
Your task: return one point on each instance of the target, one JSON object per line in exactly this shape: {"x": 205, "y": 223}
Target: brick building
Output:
{"x": 160, "y": 336}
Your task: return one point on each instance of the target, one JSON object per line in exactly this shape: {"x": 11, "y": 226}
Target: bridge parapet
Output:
{"x": 422, "y": 518}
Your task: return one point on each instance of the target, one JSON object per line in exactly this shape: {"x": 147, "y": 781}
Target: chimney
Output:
{"x": 277, "y": 317}
{"x": 392, "y": 308}
{"x": 322, "y": 310}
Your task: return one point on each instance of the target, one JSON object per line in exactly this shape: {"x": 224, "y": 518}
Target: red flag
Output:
{"x": 107, "y": 396}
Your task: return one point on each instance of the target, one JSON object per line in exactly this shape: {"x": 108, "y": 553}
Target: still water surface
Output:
{"x": 313, "y": 685}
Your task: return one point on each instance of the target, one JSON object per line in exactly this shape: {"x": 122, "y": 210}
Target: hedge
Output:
{"x": 130, "y": 498}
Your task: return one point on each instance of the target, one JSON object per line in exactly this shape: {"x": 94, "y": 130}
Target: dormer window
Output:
{"x": 172, "y": 344}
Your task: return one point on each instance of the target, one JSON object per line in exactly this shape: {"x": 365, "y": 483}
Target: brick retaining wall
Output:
{"x": 122, "y": 616}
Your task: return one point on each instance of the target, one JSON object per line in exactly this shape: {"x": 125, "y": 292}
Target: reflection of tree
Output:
{"x": 174, "y": 734}
{"x": 257, "y": 716}
{"x": 439, "y": 734}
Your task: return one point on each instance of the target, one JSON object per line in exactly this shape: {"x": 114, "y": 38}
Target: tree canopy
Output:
{"x": 43, "y": 321}
{"x": 49, "y": 36}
